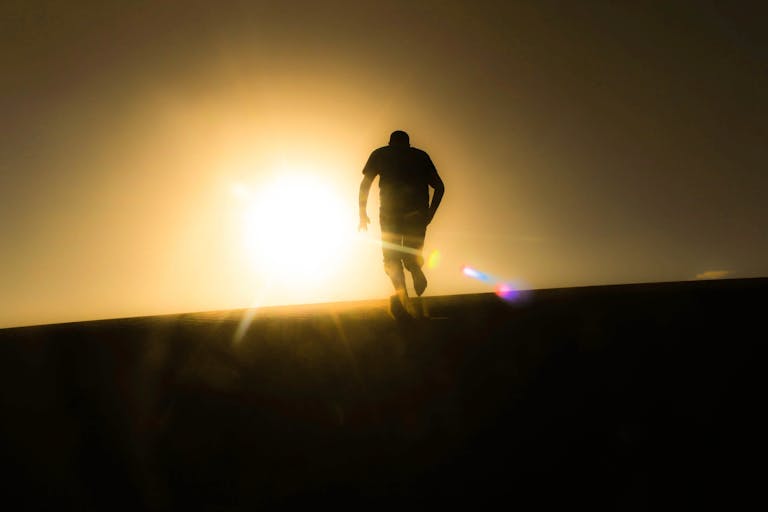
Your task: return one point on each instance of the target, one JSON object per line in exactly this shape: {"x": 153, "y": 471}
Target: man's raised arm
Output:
{"x": 365, "y": 187}
{"x": 437, "y": 196}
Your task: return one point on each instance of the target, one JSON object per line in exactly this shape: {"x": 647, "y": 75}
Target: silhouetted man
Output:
{"x": 405, "y": 175}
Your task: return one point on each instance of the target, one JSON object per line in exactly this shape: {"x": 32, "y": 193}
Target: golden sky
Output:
{"x": 585, "y": 144}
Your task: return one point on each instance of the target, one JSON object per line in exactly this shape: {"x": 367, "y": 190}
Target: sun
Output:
{"x": 295, "y": 229}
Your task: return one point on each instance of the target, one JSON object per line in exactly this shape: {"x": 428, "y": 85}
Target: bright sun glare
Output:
{"x": 295, "y": 229}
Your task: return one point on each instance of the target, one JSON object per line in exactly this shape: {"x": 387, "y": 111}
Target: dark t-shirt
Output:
{"x": 405, "y": 173}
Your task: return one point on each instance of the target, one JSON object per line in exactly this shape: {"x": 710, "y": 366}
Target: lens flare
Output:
{"x": 503, "y": 289}
{"x": 434, "y": 259}
{"x": 507, "y": 292}
{"x": 475, "y": 274}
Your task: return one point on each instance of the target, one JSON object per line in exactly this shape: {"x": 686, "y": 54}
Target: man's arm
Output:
{"x": 437, "y": 196}
{"x": 365, "y": 187}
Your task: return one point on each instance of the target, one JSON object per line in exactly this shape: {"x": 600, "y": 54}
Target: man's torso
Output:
{"x": 405, "y": 174}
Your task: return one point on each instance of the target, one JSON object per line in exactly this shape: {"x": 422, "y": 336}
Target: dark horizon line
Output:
{"x": 540, "y": 292}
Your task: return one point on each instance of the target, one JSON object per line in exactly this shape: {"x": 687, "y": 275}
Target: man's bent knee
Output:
{"x": 413, "y": 262}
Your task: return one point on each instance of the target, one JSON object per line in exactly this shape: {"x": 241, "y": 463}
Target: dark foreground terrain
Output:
{"x": 620, "y": 397}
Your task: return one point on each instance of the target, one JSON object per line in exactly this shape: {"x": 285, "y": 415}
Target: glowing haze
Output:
{"x": 186, "y": 156}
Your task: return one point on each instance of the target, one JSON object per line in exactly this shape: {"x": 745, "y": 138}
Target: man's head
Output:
{"x": 399, "y": 138}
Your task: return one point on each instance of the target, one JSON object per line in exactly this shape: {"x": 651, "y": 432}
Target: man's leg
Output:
{"x": 393, "y": 265}
{"x": 392, "y": 241}
{"x": 413, "y": 241}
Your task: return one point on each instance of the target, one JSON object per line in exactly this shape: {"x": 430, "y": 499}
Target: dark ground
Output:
{"x": 619, "y": 397}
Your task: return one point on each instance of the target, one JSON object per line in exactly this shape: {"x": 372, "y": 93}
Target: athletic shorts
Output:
{"x": 402, "y": 236}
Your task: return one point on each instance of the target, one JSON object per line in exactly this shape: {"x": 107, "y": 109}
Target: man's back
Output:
{"x": 404, "y": 176}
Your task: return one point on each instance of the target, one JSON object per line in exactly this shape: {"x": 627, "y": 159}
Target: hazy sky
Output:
{"x": 580, "y": 143}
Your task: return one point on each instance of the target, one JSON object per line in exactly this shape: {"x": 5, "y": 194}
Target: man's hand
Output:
{"x": 364, "y": 221}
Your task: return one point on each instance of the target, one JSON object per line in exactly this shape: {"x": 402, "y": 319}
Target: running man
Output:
{"x": 405, "y": 175}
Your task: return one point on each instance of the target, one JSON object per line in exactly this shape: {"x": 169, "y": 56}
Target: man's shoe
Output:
{"x": 396, "y": 308}
{"x": 419, "y": 281}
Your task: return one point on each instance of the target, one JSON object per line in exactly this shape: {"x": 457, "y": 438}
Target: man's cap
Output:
{"x": 399, "y": 138}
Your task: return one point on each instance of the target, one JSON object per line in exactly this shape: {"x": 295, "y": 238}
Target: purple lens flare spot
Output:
{"x": 507, "y": 292}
